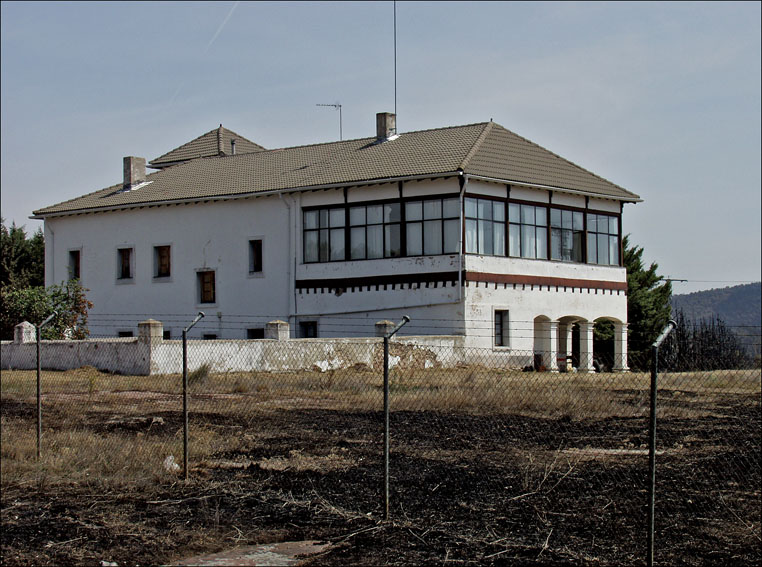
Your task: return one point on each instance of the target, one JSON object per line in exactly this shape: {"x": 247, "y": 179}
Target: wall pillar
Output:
{"x": 151, "y": 332}
{"x": 586, "y": 347}
{"x": 552, "y": 363}
{"x": 24, "y": 333}
{"x": 277, "y": 330}
{"x": 620, "y": 347}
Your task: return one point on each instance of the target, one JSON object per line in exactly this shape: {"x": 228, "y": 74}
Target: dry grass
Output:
{"x": 111, "y": 426}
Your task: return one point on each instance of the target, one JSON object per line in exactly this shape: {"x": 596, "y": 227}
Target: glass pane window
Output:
{"x": 161, "y": 261}
{"x": 375, "y": 231}
{"x": 566, "y": 235}
{"x": 501, "y": 329}
{"x": 414, "y": 239}
{"x": 357, "y": 237}
{"x": 603, "y": 239}
{"x": 413, "y": 211}
{"x": 527, "y": 233}
{"x": 124, "y": 265}
{"x": 375, "y": 240}
{"x": 432, "y": 226}
{"x": 392, "y": 242}
{"x": 206, "y": 287}
{"x": 451, "y": 236}
{"x": 324, "y": 234}
{"x": 485, "y": 227}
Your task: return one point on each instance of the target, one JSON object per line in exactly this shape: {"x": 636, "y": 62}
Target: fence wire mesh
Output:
{"x": 490, "y": 461}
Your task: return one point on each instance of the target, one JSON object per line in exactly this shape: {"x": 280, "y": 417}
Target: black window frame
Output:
{"x": 479, "y": 219}
{"x": 256, "y": 256}
{"x": 125, "y": 263}
{"x": 75, "y": 264}
{"x": 159, "y": 271}
{"x": 200, "y": 275}
{"x": 502, "y": 334}
{"x": 592, "y": 234}
{"x": 308, "y": 329}
{"x": 442, "y": 219}
{"x": 561, "y": 230}
{"x": 255, "y": 333}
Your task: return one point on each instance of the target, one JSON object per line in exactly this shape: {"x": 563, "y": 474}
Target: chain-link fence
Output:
{"x": 490, "y": 459}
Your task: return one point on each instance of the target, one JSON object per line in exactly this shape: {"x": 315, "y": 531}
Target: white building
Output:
{"x": 469, "y": 230}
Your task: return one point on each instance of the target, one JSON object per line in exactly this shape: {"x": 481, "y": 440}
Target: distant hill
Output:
{"x": 739, "y": 307}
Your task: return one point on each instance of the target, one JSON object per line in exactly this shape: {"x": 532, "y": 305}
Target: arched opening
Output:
{"x": 609, "y": 344}
{"x": 542, "y": 343}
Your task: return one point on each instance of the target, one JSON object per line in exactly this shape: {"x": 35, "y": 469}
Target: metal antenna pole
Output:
{"x": 336, "y": 106}
{"x": 395, "y": 58}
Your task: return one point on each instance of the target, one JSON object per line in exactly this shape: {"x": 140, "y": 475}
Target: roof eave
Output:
{"x": 39, "y": 215}
{"x": 633, "y": 199}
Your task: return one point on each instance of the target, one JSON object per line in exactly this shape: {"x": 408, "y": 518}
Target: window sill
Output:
{"x": 255, "y": 275}
{"x": 125, "y": 281}
{"x": 161, "y": 279}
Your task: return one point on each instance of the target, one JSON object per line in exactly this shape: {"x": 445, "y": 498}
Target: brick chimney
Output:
{"x": 386, "y": 126}
{"x": 134, "y": 171}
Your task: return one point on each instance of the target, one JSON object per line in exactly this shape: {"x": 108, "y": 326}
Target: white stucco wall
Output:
{"x": 213, "y": 236}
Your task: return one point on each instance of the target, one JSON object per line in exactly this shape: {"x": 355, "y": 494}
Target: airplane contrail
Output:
{"x": 222, "y": 25}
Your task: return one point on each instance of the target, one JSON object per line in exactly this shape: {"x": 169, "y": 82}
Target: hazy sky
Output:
{"x": 660, "y": 98}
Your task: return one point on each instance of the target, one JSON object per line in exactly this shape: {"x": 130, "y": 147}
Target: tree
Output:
{"x": 34, "y": 304}
{"x": 22, "y": 260}
{"x": 706, "y": 344}
{"x": 23, "y": 296}
{"x": 648, "y": 295}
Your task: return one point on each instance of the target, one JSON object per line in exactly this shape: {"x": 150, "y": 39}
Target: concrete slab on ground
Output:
{"x": 284, "y": 553}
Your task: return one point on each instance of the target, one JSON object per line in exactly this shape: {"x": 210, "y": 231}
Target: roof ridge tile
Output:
{"x": 477, "y": 144}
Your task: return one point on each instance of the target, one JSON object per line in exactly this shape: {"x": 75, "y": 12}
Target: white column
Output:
{"x": 552, "y": 364}
{"x": 620, "y": 347}
{"x": 586, "y": 347}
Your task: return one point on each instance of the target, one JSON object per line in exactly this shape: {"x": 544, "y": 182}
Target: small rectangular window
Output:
{"x": 210, "y": 337}
{"x": 125, "y": 263}
{"x": 167, "y": 335}
{"x": 161, "y": 261}
{"x": 255, "y": 256}
{"x": 124, "y": 334}
{"x": 74, "y": 259}
{"x": 308, "y": 329}
{"x": 257, "y": 333}
{"x": 206, "y": 287}
{"x": 501, "y": 328}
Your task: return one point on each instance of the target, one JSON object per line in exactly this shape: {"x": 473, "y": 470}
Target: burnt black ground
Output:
{"x": 500, "y": 490}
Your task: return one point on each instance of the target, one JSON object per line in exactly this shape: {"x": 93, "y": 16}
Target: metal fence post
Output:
{"x": 652, "y": 441}
{"x": 185, "y": 392}
{"x": 405, "y": 319}
{"x": 39, "y": 381}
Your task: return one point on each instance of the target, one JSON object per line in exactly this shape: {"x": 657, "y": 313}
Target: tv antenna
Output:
{"x": 336, "y": 106}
